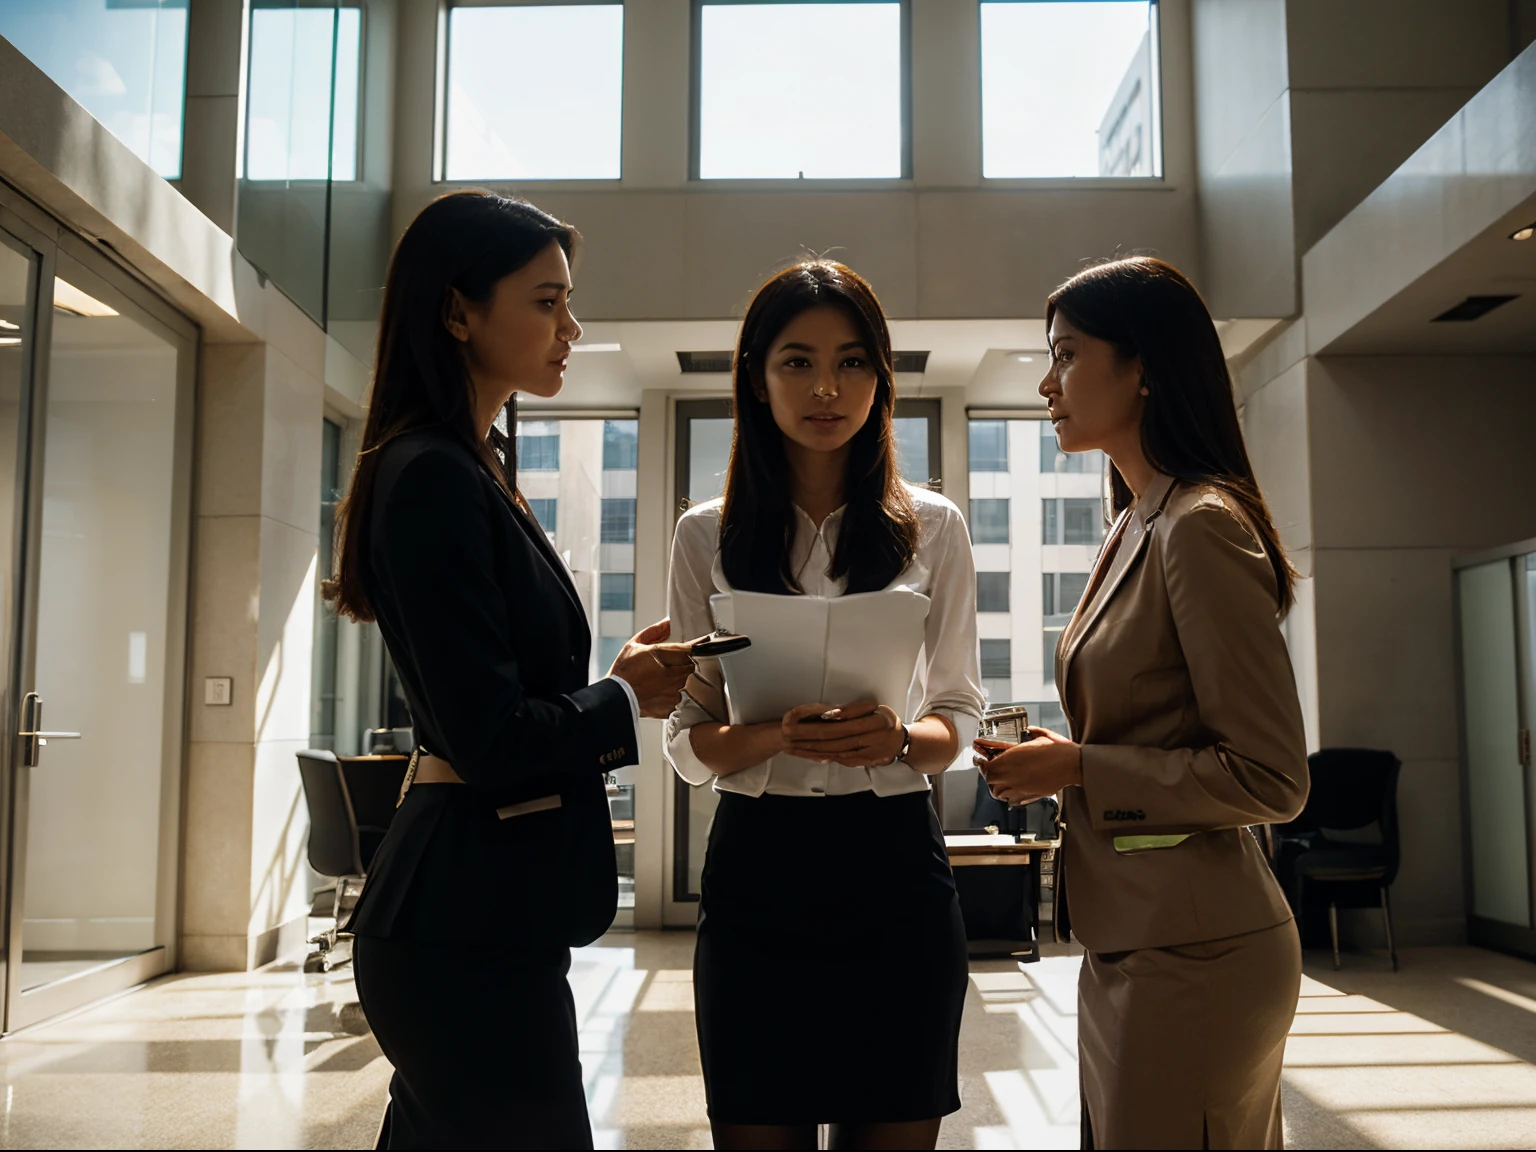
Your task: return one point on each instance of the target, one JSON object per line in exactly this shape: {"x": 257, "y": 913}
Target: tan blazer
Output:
{"x": 1177, "y": 683}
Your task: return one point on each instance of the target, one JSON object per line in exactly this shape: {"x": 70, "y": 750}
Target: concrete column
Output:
{"x": 211, "y": 131}
{"x": 245, "y": 886}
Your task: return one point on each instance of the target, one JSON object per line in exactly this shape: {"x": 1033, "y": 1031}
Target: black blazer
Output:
{"x": 491, "y": 644}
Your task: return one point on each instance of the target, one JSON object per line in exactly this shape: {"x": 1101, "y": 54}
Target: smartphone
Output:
{"x": 718, "y": 644}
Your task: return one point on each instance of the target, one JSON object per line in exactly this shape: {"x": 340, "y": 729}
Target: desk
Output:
{"x": 972, "y": 850}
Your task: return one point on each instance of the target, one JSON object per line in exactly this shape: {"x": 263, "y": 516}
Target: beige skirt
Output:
{"x": 1181, "y": 1047}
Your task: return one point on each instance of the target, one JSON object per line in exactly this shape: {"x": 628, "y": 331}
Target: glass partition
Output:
{"x": 1070, "y": 88}
{"x": 124, "y": 61}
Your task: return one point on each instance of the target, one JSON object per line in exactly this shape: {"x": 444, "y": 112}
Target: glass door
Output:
{"x": 94, "y": 436}
{"x": 1496, "y": 609}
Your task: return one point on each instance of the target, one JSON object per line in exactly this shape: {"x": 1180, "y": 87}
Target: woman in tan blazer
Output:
{"x": 1186, "y": 731}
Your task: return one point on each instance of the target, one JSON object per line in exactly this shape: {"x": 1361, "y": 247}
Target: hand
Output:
{"x": 1021, "y": 773}
{"x": 862, "y": 735}
{"x": 656, "y": 671}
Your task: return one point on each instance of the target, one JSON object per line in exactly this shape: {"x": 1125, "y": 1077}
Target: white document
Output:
{"x": 809, "y": 649}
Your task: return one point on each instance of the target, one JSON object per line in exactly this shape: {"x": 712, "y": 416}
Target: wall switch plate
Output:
{"x": 218, "y": 690}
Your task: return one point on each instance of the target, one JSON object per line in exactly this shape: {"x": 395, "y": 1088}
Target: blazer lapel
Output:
{"x": 1133, "y": 541}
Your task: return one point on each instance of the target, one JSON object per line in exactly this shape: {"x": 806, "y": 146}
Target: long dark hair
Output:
{"x": 467, "y": 241}
{"x": 1189, "y": 427}
{"x": 878, "y": 537}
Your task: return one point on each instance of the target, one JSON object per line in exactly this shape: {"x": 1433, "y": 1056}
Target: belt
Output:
{"x": 426, "y": 768}
{"x": 432, "y": 769}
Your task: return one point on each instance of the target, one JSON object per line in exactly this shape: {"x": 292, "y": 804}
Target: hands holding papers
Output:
{"x": 863, "y": 735}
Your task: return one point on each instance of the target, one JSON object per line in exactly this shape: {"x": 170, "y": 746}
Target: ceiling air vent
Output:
{"x": 911, "y": 361}
{"x": 1472, "y": 308}
{"x": 704, "y": 361}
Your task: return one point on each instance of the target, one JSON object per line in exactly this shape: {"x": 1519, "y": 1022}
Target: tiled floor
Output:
{"x": 1441, "y": 1055}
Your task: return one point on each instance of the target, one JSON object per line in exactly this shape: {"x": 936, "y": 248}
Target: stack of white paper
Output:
{"x": 814, "y": 649}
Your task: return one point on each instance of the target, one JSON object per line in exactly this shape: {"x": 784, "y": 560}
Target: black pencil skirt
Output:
{"x": 830, "y": 969}
{"x": 483, "y": 1044}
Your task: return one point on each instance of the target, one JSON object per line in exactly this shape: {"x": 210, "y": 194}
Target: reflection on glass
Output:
{"x": 16, "y": 334}
{"x": 124, "y": 61}
{"x": 93, "y": 831}
{"x": 293, "y": 54}
{"x": 582, "y": 492}
{"x": 1070, "y": 89}
{"x": 912, "y": 448}
{"x": 774, "y": 104}
{"x": 709, "y": 452}
{"x": 556, "y": 115}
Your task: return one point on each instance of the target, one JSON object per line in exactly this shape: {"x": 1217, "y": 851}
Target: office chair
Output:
{"x": 1344, "y": 845}
{"x": 339, "y": 847}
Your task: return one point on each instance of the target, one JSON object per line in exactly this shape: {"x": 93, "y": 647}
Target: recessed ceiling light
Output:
{"x": 1025, "y": 359}
{"x": 595, "y": 347}
{"x": 9, "y": 327}
{"x": 68, "y": 298}
{"x": 1525, "y": 233}
{"x": 6, "y": 341}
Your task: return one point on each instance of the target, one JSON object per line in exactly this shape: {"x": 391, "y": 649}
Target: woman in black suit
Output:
{"x": 500, "y": 858}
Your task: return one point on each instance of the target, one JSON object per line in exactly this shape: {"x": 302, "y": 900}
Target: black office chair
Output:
{"x": 1344, "y": 846}
{"x": 339, "y": 848}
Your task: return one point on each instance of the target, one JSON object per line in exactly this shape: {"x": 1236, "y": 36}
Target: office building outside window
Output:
{"x": 992, "y": 591}
{"x": 771, "y": 106}
{"x": 583, "y": 493}
{"x": 546, "y": 510}
{"x": 1070, "y": 88}
{"x": 989, "y": 521}
{"x": 557, "y": 114}
{"x": 1029, "y": 576}
{"x": 538, "y": 446}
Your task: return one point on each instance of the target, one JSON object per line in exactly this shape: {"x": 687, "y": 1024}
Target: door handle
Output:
{"x": 33, "y": 739}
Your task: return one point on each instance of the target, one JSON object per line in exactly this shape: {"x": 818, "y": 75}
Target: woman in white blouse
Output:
{"x": 830, "y": 967}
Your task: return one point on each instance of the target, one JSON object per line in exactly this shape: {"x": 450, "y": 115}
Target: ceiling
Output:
{"x": 1489, "y": 265}
{"x": 998, "y": 363}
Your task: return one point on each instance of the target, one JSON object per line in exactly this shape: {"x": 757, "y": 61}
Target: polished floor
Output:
{"x": 1441, "y": 1055}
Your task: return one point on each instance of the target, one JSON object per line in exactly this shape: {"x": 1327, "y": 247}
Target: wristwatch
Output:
{"x": 906, "y": 744}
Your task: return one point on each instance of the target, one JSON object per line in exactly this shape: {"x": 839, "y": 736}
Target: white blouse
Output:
{"x": 948, "y": 677}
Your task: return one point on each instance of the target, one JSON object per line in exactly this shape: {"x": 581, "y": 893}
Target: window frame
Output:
{"x": 696, "y": 107}
{"x": 358, "y": 156}
{"x": 1160, "y": 181}
{"x": 440, "y": 98}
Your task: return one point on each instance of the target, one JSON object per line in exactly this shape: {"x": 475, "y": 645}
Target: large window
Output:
{"x": 304, "y": 62}
{"x": 618, "y": 525}
{"x": 1070, "y": 88}
{"x": 621, "y": 444}
{"x": 989, "y": 445}
{"x": 1078, "y": 520}
{"x": 1053, "y": 459}
{"x": 546, "y": 510}
{"x": 1015, "y": 469}
{"x": 618, "y": 592}
{"x": 538, "y": 446}
{"x": 534, "y": 92}
{"x": 808, "y": 91}
{"x": 124, "y": 62}
{"x": 992, "y": 591}
{"x": 989, "y": 521}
